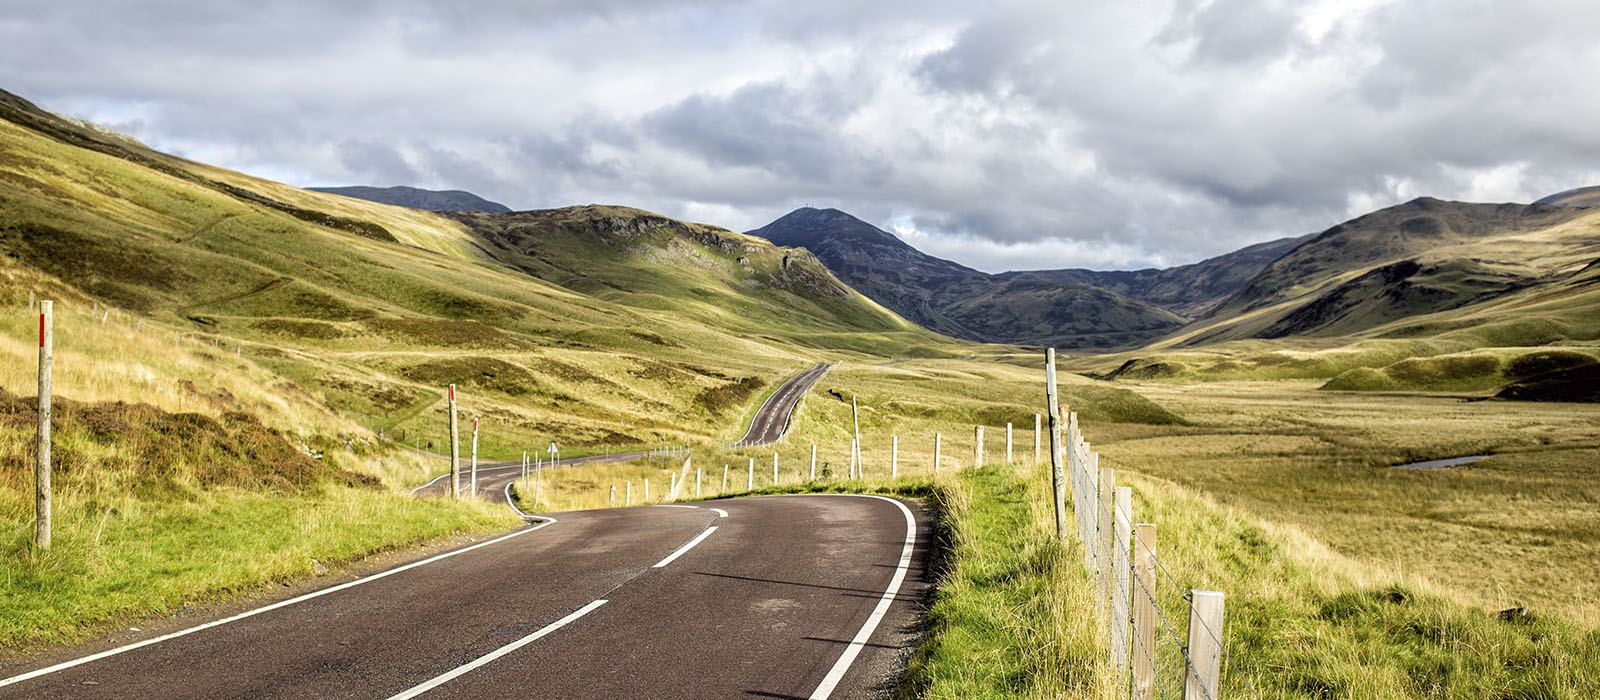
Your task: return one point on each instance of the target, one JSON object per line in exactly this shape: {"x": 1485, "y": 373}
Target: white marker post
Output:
{"x": 41, "y": 474}
{"x": 525, "y": 465}
{"x": 813, "y": 461}
{"x": 774, "y": 469}
{"x": 1008, "y": 443}
{"x": 894, "y": 457}
{"x": 938, "y": 441}
{"x": 538, "y": 482}
{"x": 455, "y": 449}
{"x": 977, "y": 445}
{"x": 724, "y": 479}
{"x": 750, "y": 478}
{"x": 696, "y": 482}
{"x": 629, "y": 502}
{"x": 646, "y": 490}
{"x": 555, "y": 454}
{"x": 613, "y": 495}
{"x": 474, "y": 458}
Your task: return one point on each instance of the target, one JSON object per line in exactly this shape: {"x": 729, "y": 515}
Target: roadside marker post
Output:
{"x": 855, "y": 447}
{"x": 724, "y": 479}
{"x": 646, "y": 490}
{"x": 937, "y": 443}
{"x": 977, "y": 446}
{"x": 613, "y": 500}
{"x": 774, "y": 469}
{"x": 538, "y": 482}
{"x": 455, "y": 448}
{"x": 813, "y": 461}
{"x": 629, "y": 484}
{"x": 524, "y": 464}
{"x": 750, "y": 478}
{"x": 894, "y": 456}
{"x": 41, "y": 474}
{"x": 696, "y": 482}
{"x": 1008, "y": 443}
{"x": 474, "y": 458}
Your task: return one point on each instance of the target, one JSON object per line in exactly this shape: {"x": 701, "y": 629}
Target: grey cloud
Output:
{"x": 379, "y": 163}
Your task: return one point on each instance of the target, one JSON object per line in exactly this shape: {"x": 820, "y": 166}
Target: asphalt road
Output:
{"x": 783, "y": 597}
{"x": 772, "y": 419}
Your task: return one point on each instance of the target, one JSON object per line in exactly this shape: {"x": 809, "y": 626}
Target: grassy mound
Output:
{"x": 1475, "y": 371}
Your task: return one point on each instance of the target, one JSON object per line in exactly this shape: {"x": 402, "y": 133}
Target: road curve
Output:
{"x": 494, "y": 477}
{"x": 772, "y": 597}
{"x": 772, "y": 419}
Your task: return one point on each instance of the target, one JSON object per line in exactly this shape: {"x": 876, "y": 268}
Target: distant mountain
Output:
{"x": 415, "y": 198}
{"x": 1580, "y": 197}
{"x": 964, "y": 302}
{"x": 1188, "y": 290}
{"x": 1421, "y": 257}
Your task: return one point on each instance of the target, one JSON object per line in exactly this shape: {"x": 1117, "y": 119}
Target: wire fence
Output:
{"x": 1149, "y": 655}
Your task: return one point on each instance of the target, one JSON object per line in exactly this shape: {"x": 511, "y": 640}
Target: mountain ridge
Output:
{"x": 417, "y": 198}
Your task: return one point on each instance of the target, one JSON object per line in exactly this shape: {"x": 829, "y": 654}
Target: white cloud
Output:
{"x": 1003, "y": 135}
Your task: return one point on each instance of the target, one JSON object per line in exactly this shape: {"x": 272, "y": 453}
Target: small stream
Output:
{"x": 1440, "y": 463}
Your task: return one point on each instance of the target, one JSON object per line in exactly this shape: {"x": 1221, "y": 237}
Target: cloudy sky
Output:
{"x": 1003, "y": 135}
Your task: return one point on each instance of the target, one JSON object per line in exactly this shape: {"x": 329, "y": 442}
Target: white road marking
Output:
{"x": 720, "y": 512}
{"x": 836, "y": 674}
{"x": 681, "y": 550}
{"x": 513, "y": 502}
{"x": 431, "y": 482}
{"x": 673, "y": 505}
{"x": 268, "y": 608}
{"x": 502, "y": 651}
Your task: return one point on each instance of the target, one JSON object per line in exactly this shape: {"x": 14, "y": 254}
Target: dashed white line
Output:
{"x": 836, "y": 674}
{"x": 502, "y": 651}
{"x": 681, "y": 550}
{"x": 267, "y": 608}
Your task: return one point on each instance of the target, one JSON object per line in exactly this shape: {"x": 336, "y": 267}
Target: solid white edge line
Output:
{"x": 268, "y": 608}
{"x": 502, "y": 651}
{"x": 720, "y": 512}
{"x": 697, "y": 540}
{"x": 431, "y": 482}
{"x": 513, "y": 502}
{"x": 836, "y": 674}
{"x": 674, "y": 505}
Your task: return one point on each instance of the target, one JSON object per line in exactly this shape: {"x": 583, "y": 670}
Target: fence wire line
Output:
{"x": 1098, "y": 558}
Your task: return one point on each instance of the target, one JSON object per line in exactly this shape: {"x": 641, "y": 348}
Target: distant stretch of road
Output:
{"x": 773, "y": 597}
{"x": 772, "y": 419}
{"x": 495, "y": 477}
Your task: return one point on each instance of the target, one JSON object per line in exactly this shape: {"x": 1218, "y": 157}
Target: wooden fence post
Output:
{"x": 455, "y": 448}
{"x": 1121, "y": 525}
{"x": 1102, "y": 563}
{"x": 1057, "y": 480}
{"x": 1205, "y": 646}
{"x": 1144, "y": 611}
{"x": 41, "y": 473}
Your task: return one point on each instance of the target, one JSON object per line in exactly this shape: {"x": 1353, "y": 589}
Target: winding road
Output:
{"x": 772, "y": 419}
{"x": 771, "y": 597}
{"x": 807, "y": 596}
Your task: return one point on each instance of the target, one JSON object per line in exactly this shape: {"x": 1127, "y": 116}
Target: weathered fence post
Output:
{"x": 1205, "y": 646}
{"x": 455, "y": 448}
{"x": 1121, "y": 524}
{"x": 1102, "y": 564}
{"x": 41, "y": 473}
{"x": 1144, "y": 611}
{"x": 1058, "y": 484}
{"x": 894, "y": 456}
